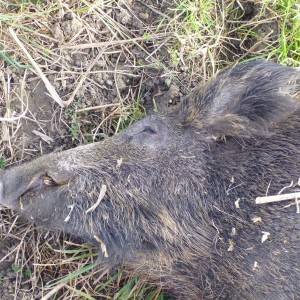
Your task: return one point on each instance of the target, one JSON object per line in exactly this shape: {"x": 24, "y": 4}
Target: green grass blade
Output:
{"x": 111, "y": 280}
{"x": 10, "y": 60}
{"x": 75, "y": 274}
{"x": 82, "y": 294}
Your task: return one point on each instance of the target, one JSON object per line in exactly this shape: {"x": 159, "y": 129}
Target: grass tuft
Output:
{"x": 289, "y": 44}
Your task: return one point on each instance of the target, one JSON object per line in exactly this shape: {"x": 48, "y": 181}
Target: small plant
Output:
{"x": 75, "y": 132}
{"x": 193, "y": 23}
{"x": 16, "y": 269}
{"x": 196, "y": 14}
{"x": 289, "y": 43}
{"x": 175, "y": 56}
{"x": 285, "y": 49}
{"x": 147, "y": 36}
{"x": 3, "y": 163}
{"x": 133, "y": 289}
{"x": 27, "y": 273}
{"x": 131, "y": 115}
{"x": 72, "y": 114}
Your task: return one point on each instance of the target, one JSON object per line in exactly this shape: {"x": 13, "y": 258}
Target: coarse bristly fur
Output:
{"x": 178, "y": 189}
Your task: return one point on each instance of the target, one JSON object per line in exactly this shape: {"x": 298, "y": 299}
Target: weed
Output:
{"x": 130, "y": 115}
{"x": 132, "y": 290}
{"x": 175, "y": 56}
{"x": 289, "y": 42}
{"x": 75, "y": 126}
{"x": 195, "y": 26}
{"x": 27, "y": 273}
{"x": 196, "y": 15}
{"x": 3, "y": 163}
{"x": 16, "y": 269}
{"x": 75, "y": 131}
{"x": 284, "y": 46}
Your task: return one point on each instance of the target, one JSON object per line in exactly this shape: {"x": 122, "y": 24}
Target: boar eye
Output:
{"x": 149, "y": 130}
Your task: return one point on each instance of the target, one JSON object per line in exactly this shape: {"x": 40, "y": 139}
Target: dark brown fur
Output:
{"x": 179, "y": 208}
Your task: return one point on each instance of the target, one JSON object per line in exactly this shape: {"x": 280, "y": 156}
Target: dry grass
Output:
{"x": 106, "y": 60}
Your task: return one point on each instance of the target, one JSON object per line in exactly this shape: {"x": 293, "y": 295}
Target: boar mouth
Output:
{"x": 43, "y": 182}
{"x": 40, "y": 181}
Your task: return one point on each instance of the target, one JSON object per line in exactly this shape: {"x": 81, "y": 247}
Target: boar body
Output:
{"x": 172, "y": 198}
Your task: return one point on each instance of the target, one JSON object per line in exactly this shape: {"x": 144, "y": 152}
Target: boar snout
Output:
{"x": 16, "y": 183}
{"x": 13, "y": 184}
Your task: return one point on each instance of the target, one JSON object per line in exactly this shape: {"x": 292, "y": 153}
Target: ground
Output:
{"x": 93, "y": 68}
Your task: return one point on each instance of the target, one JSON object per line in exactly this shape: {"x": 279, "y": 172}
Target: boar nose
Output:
{"x": 13, "y": 183}
{"x": 18, "y": 180}
{"x": 4, "y": 199}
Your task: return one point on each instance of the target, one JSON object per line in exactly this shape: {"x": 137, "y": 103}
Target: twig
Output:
{"x": 53, "y": 291}
{"x": 12, "y": 119}
{"x": 47, "y": 83}
{"x": 97, "y": 107}
{"x": 114, "y": 43}
{"x": 277, "y": 198}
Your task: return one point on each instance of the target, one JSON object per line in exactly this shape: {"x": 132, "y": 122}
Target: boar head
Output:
{"x": 157, "y": 196}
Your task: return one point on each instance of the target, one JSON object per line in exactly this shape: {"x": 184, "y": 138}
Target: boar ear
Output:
{"x": 245, "y": 100}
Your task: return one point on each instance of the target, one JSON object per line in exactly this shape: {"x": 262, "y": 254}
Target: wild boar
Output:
{"x": 173, "y": 198}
